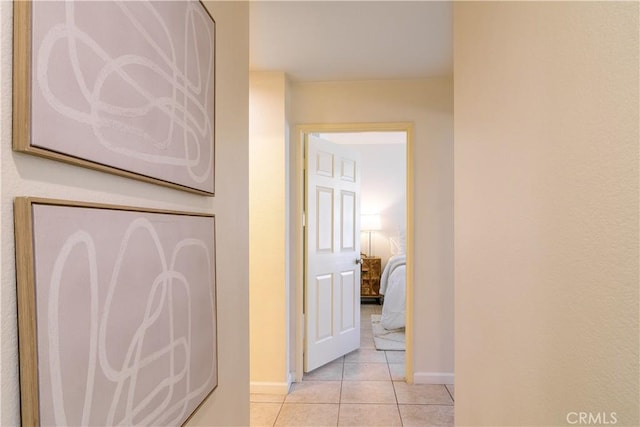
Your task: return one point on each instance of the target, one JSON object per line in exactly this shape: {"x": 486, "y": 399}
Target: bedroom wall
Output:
{"x": 429, "y": 105}
{"x": 24, "y": 175}
{"x": 384, "y": 188}
{"x": 546, "y": 213}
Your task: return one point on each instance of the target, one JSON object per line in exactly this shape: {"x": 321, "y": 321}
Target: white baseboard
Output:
{"x": 291, "y": 378}
{"x": 269, "y": 388}
{"x": 433, "y": 378}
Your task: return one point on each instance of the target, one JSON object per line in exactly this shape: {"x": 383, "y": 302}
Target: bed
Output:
{"x": 393, "y": 287}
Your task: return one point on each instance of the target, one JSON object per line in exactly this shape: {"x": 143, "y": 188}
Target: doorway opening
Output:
{"x": 389, "y": 234}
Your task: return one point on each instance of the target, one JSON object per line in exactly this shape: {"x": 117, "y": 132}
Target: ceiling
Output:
{"x": 352, "y": 40}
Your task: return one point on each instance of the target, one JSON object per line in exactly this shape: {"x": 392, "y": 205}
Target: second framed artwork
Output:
{"x": 123, "y": 87}
{"x": 116, "y": 313}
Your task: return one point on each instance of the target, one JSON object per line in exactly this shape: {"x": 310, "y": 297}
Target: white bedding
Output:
{"x": 393, "y": 286}
{"x": 392, "y": 264}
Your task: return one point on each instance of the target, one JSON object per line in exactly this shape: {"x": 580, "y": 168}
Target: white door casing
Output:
{"x": 332, "y": 236}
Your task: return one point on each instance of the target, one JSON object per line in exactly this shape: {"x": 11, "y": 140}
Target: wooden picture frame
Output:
{"x": 121, "y": 87}
{"x": 116, "y": 313}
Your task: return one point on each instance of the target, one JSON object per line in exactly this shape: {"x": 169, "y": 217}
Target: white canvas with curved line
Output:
{"x": 126, "y": 310}
{"x": 128, "y": 85}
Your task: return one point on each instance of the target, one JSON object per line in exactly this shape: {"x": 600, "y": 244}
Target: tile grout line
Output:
{"x": 396, "y": 396}
{"x": 278, "y": 415}
{"x": 340, "y": 394}
{"x": 450, "y": 395}
{"x": 394, "y": 390}
{"x": 397, "y": 405}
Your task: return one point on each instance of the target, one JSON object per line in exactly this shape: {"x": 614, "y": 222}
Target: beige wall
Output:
{"x": 546, "y": 212}
{"x": 384, "y": 184}
{"x": 267, "y": 231}
{"x": 428, "y": 104}
{"x": 24, "y": 175}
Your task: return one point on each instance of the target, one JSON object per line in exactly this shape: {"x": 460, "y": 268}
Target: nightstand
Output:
{"x": 370, "y": 271}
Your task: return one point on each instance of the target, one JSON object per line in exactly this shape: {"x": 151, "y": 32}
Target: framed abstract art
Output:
{"x": 126, "y": 87}
{"x": 116, "y": 313}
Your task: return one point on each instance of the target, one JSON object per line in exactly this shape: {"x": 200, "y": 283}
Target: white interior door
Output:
{"x": 332, "y": 244}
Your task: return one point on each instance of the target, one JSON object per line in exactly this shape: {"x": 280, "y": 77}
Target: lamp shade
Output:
{"x": 370, "y": 222}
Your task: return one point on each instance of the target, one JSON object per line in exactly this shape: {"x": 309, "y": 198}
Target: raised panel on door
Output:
{"x": 322, "y": 310}
{"x": 324, "y": 223}
{"x": 348, "y": 290}
{"x": 324, "y": 164}
{"x": 348, "y": 170}
{"x": 348, "y": 221}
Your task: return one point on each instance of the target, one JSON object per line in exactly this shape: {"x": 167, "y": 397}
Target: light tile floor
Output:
{"x": 363, "y": 388}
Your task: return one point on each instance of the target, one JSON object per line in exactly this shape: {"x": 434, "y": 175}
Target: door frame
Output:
{"x": 297, "y": 230}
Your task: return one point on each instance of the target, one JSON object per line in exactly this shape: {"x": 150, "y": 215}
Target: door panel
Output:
{"x": 348, "y": 168}
{"x": 322, "y": 311}
{"x": 348, "y": 221}
{"x": 332, "y": 297}
{"x": 349, "y": 290}
{"x": 324, "y": 223}
{"x": 324, "y": 164}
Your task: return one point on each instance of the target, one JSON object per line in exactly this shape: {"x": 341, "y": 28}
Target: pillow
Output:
{"x": 398, "y": 243}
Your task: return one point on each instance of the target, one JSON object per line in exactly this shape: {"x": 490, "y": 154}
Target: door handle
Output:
{"x": 359, "y": 261}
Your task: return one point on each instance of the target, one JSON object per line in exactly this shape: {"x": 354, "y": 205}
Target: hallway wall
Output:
{"x": 546, "y": 212}
{"x": 268, "y": 232}
{"x": 24, "y": 175}
{"x": 429, "y": 105}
